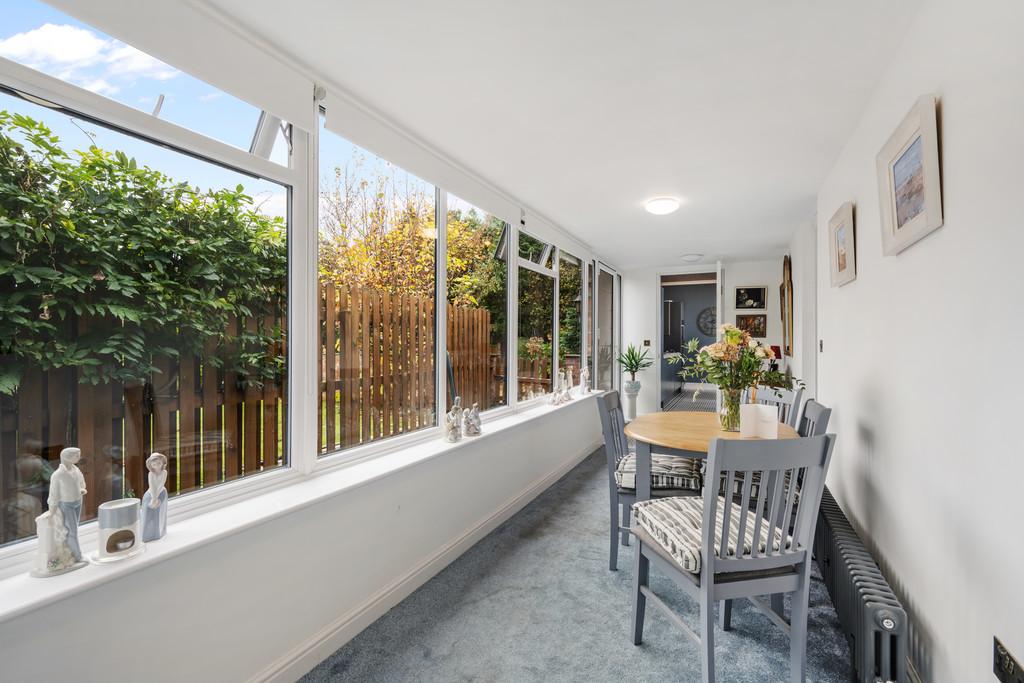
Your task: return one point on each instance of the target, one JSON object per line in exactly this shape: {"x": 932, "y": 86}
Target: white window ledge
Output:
{"x": 22, "y": 593}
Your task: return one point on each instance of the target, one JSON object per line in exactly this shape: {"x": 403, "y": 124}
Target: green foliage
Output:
{"x": 106, "y": 265}
{"x": 633, "y": 361}
{"x": 734, "y": 363}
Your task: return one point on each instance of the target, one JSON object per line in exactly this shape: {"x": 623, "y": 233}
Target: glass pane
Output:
{"x": 42, "y": 38}
{"x": 142, "y": 309}
{"x": 532, "y": 249}
{"x": 377, "y": 249}
{"x": 570, "y": 315}
{"x": 536, "y": 330}
{"x": 477, "y": 306}
{"x": 605, "y": 333}
{"x": 590, "y": 321}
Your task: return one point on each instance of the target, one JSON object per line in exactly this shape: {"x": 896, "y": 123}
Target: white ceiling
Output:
{"x": 583, "y": 109}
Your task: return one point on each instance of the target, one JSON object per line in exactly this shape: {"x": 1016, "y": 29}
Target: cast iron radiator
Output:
{"x": 869, "y": 613}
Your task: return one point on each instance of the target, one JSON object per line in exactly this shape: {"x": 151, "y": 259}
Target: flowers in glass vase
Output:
{"x": 734, "y": 363}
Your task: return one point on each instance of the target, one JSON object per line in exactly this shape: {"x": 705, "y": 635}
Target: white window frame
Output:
{"x": 301, "y": 178}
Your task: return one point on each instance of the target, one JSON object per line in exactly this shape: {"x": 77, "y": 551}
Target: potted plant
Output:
{"x": 633, "y": 361}
{"x": 734, "y": 363}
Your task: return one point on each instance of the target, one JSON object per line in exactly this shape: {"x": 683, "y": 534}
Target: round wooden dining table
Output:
{"x": 685, "y": 434}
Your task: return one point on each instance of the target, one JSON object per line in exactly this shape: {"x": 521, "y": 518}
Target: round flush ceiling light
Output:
{"x": 660, "y": 206}
{"x": 691, "y": 258}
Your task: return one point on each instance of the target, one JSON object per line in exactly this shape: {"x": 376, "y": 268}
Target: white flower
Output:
{"x": 752, "y": 344}
{"x": 759, "y": 352}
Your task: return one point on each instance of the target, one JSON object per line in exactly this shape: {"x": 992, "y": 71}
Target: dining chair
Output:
{"x": 717, "y": 549}
{"x": 670, "y": 475}
{"x": 787, "y": 400}
{"x": 813, "y": 419}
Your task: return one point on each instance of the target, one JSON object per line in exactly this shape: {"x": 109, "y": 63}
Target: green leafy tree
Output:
{"x": 106, "y": 265}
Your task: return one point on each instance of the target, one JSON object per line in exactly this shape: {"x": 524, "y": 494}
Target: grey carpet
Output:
{"x": 534, "y": 601}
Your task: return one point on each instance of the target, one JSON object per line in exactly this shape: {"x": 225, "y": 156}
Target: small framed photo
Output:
{"x": 751, "y": 298}
{"x": 910, "y": 190}
{"x": 754, "y": 325}
{"x": 842, "y": 239}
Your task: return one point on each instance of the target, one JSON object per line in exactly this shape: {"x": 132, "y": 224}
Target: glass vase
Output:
{"x": 729, "y": 414}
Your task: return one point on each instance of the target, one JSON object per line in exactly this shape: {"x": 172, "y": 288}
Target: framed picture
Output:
{"x": 842, "y": 240}
{"x": 751, "y": 298}
{"x": 754, "y": 325}
{"x": 786, "y": 301}
{"x": 910, "y": 190}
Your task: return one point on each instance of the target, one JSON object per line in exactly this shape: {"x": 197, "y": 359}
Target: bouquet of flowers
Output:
{"x": 735, "y": 363}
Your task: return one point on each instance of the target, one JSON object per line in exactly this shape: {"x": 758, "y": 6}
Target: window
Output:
{"x": 477, "y": 277}
{"x": 42, "y": 38}
{"x": 590, "y": 320}
{"x": 377, "y": 255}
{"x": 536, "y": 318}
{"x": 143, "y": 298}
{"x": 570, "y": 316}
{"x": 605, "y": 331}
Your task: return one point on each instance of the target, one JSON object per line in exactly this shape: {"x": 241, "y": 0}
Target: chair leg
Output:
{"x": 725, "y": 615}
{"x": 613, "y": 546}
{"x": 641, "y": 574}
{"x": 626, "y": 517}
{"x": 707, "y": 635}
{"x": 798, "y": 631}
{"x": 777, "y": 601}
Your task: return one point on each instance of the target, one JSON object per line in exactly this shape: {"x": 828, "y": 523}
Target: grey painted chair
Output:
{"x": 787, "y": 400}
{"x": 622, "y": 497}
{"x": 813, "y": 419}
{"x": 769, "y": 560}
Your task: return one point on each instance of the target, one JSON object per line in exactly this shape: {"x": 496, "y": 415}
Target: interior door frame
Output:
{"x": 616, "y": 321}
{"x": 658, "y": 303}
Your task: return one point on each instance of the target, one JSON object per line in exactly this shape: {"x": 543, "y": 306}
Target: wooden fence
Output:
{"x": 376, "y": 380}
{"x": 211, "y": 428}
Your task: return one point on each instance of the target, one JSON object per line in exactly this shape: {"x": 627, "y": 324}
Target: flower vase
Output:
{"x": 729, "y": 414}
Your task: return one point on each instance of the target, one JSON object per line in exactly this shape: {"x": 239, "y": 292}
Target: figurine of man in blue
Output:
{"x": 67, "y": 488}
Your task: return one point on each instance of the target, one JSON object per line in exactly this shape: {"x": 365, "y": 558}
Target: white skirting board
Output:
{"x": 301, "y": 659}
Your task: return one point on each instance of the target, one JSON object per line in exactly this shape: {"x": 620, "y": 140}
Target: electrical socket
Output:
{"x": 1005, "y": 666}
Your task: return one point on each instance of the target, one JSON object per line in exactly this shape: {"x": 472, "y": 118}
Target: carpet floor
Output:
{"x": 534, "y": 601}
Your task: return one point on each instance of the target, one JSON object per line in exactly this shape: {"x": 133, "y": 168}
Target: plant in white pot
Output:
{"x": 633, "y": 361}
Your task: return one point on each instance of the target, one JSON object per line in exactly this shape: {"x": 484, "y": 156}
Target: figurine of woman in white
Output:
{"x": 473, "y": 420}
{"x": 453, "y": 422}
{"x": 58, "y": 550}
{"x": 154, "y": 502}
{"x": 584, "y": 380}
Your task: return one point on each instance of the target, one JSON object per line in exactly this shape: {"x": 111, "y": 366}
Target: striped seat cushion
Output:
{"x": 675, "y": 524}
{"x": 667, "y": 472}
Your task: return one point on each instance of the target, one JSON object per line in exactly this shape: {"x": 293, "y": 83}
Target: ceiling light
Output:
{"x": 660, "y": 206}
{"x": 691, "y": 258}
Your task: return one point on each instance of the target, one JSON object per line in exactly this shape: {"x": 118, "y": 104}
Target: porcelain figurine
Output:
{"x": 154, "y": 502}
{"x": 584, "y": 381}
{"x": 58, "y": 550}
{"x": 567, "y": 387}
{"x": 453, "y": 422}
{"x": 472, "y": 421}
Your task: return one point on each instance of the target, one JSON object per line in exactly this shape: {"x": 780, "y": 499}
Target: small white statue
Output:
{"x": 567, "y": 387}
{"x": 154, "y": 502}
{"x": 472, "y": 421}
{"x": 58, "y": 551}
{"x": 453, "y": 422}
{"x": 584, "y": 381}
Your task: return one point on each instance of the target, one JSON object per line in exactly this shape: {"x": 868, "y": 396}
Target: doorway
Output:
{"x": 689, "y": 310}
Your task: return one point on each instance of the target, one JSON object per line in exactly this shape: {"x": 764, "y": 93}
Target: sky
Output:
{"x": 36, "y": 35}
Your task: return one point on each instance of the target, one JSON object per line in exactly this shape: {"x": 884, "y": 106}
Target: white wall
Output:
{"x": 921, "y": 358}
{"x": 302, "y": 584}
{"x": 766, "y": 273}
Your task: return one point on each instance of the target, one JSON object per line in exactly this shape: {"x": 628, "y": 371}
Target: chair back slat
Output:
{"x": 613, "y": 425}
{"x": 813, "y": 419}
{"x": 780, "y": 498}
{"x": 787, "y": 401}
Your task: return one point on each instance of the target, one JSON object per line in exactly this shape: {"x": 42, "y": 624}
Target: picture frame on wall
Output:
{"x": 752, "y": 298}
{"x": 842, "y": 240}
{"x": 909, "y": 184}
{"x": 786, "y": 301}
{"x": 755, "y": 325}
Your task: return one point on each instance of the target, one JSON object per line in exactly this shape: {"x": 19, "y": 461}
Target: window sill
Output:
{"x": 21, "y": 593}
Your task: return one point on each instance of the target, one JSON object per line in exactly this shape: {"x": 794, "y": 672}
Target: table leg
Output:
{"x": 643, "y": 470}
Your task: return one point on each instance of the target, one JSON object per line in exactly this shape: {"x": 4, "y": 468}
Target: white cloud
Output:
{"x": 211, "y": 96}
{"x": 271, "y": 203}
{"x": 82, "y": 57}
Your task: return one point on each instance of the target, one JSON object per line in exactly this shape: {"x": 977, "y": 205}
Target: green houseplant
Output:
{"x": 633, "y": 360}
